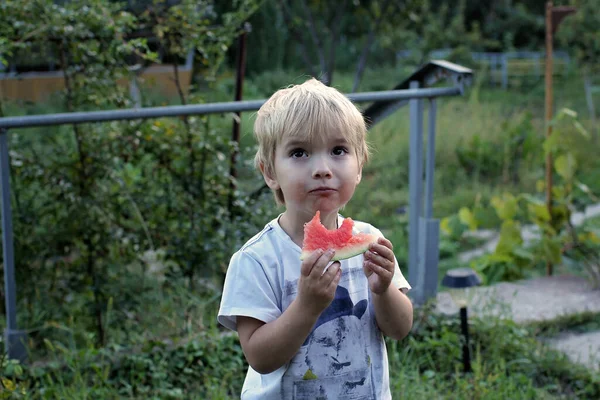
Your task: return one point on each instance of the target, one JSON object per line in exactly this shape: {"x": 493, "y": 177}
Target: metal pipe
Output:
{"x": 415, "y": 183}
{"x": 464, "y": 325}
{"x": 200, "y": 109}
{"x": 430, "y": 165}
{"x": 12, "y": 344}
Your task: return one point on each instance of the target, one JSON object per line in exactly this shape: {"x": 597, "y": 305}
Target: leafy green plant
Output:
{"x": 91, "y": 199}
{"x": 512, "y": 256}
{"x": 11, "y": 379}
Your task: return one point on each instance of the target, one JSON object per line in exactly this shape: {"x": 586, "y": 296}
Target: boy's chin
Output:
{"x": 326, "y": 207}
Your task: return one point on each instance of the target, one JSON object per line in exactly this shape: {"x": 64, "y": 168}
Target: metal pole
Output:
{"x": 430, "y": 166}
{"x": 415, "y": 184}
{"x": 201, "y": 109}
{"x": 504, "y": 71}
{"x": 428, "y": 241}
{"x": 549, "y": 115}
{"x": 14, "y": 346}
{"x": 464, "y": 325}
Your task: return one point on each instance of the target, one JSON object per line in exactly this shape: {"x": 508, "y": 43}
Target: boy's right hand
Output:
{"x": 316, "y": 289}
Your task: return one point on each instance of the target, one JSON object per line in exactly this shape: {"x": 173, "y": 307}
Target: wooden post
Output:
{"x": 548, "y": 79}
{"x": 235, "y": 134}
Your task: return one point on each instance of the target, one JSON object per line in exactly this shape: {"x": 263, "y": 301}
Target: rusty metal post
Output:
{"x": 239, "y": 89}
{"x": 554, "y": 15}
{"x": 548, "y": 79}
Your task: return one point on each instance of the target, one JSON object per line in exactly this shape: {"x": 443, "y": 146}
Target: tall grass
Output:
{"x": 166, "y": 344}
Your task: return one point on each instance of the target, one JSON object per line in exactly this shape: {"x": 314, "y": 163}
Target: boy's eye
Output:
{"x": 298, "y": 153}
{"x": 339, "y": 150}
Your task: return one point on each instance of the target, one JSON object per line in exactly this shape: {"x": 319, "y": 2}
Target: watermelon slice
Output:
{"x": 345, "y": 244}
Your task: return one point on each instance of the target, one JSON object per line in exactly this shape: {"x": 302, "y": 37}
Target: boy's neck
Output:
{"x": 293, "y": 224}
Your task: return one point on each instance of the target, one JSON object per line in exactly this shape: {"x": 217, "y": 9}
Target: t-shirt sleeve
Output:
{"x": 247, "y": 292}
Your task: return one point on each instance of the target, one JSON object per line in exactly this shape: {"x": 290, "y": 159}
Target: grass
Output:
{"x": 577, "y": 323}
{"x": 167, "y": 345}
{"x": 594, "y": 222}
{"x": 508, "y": 361}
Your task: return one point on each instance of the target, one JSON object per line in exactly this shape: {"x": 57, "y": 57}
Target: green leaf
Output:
{"x": 558, "y": 191}
{"x": 506, "y": 207}
{"x": 523, "y": 253}
{"x": 540, "y": 185}
{"x": 445, "y": 225}
{"x": 566, "y": 166}
{"x": 552, "y": 143}
{"x": 581, "y": 129}
{"x": 539, "y": 212}
{"x": 510, "y": 238}
{"x": 467, "y": 218}
{"x": 551, "y": 250}
{"x": 567, "y": 111}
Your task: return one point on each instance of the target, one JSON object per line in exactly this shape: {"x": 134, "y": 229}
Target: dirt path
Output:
{"x": 540, "y": 299}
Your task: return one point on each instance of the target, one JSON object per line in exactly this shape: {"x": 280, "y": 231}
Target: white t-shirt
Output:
{"x": 344, "y": 357}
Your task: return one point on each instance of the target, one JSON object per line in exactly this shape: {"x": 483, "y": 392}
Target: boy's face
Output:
{"x": 321, "y": 174}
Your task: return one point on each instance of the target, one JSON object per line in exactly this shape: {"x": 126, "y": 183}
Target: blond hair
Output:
{"x": 308, "y": 110}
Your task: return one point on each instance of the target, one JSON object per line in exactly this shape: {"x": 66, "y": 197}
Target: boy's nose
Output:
{"x": 321, "y": 168}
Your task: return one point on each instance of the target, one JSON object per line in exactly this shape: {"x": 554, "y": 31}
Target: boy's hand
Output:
{"x": 379, "y": 264}
{"x": 316, "y": 289}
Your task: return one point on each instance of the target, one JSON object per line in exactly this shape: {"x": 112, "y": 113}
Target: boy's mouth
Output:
{"x": 322, "y": 189}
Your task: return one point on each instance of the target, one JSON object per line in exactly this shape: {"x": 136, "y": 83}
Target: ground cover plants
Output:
{"x": 123, "y": 230}
{"x": 179, "y": 351}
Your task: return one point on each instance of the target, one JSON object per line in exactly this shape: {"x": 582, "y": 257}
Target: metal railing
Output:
{"x": 420, "y": 278}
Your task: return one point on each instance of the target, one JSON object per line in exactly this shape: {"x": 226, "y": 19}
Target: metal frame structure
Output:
{"x": 423, "y": 230}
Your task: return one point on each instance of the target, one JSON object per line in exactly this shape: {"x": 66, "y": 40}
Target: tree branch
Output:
{"x": 336, "y": 24}
{"x": 315, "y": 37}
{"x": 362, "y": 61}
{"x": 298, "y": 36}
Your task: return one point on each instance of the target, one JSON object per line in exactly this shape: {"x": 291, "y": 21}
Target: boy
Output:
{"x": 311, "y": 329}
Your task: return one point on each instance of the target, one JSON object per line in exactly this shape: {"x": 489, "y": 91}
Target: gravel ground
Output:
{"x": 583, "y": 348}
{"x": 539, "y": 299}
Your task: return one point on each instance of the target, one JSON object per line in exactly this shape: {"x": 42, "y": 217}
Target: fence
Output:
{"x": 423, "y": 230}
{"x": 509, "y": 68}
{"x": 39, "y": 86}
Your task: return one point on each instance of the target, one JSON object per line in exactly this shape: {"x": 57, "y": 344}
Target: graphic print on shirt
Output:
{"x": 334, "y": 362}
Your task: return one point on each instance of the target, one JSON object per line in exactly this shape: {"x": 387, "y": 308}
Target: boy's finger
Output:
{"x": 321, "y": 263}
{"x": 309, "y": 262}
{"x": 380, "y": 260}
{"x": 379, "y": 270}
{"x": 385, "y": 242}
{"x": 382, "y": 250}
{"x": 331, "y": 271}
{"x": 336, "y": 279}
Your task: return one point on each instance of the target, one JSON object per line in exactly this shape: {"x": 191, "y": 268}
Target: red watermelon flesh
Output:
{"x": 345, "y": 244}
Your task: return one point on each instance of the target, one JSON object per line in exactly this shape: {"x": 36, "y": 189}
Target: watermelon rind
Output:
{"x": 342, "y": 240}
{"x": 347, "y": 251}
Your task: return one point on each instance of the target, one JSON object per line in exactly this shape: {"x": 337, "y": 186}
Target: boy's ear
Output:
{"x": 269, "y": 178}
{"x": 359, "y": 176}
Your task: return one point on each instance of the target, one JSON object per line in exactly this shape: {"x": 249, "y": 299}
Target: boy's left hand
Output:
{"x": 379, "y": 265}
